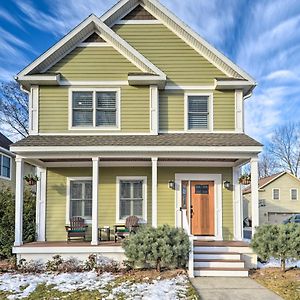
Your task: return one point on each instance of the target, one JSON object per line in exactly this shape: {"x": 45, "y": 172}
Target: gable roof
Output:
{"x": 4, "y": 141}
{"x": 155, "y": 8}
{"x": 77, "y": 35}
{"x": 263, "y": 182}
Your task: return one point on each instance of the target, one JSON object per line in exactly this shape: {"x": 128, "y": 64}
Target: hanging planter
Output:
{"x": 245, "y": 179}
{"x": 31, "y": 179}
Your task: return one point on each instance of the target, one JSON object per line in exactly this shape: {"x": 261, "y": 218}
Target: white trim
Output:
{"x": 154, "y": 109}
{"x": 217, "y": 178}
{"x": 118, "y": 179}
{"x": 34, "y": 110}
{"x": 94, "y": 44}
{"x": 189, "y": 87}
{"x": 182, "y": 131}
{"x": 96, "y": 133}
{"x": 210, "y": 112}
{"x": 19, "y": 198}
{"x": 138, "y": 22}
{"x": 41, "y": 204}
{"x": 10, "y": 167}
{"x": 94, "y": 91}
{"x": 291, "y": 194}
{"x": 239, "y": 111}
{"x": 237, "y": 205}
{"x": 95, "y": 200}
{"x": 278, "y": 194}
{"x": 93, "y": 83}
{"x": 68, "y": 196}
{"x": 7, "y": 152}
{"x": 186, "y": 33}
{"x": 254, "y": 193}
{"x": 191, "y": 149}
{"x": 154, "y": 191}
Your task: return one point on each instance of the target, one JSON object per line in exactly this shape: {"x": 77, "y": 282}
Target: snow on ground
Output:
{"x": 22, "y": 285}
{"x": 275, "y": 263}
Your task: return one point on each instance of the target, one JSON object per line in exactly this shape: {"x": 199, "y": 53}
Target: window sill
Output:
{"x": 95, "y": 128}
{"x": 5, "y": 178}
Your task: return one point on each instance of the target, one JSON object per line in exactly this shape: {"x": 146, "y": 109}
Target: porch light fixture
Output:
{"x": 172, "y": 184}
{"x": 227, "y": 185}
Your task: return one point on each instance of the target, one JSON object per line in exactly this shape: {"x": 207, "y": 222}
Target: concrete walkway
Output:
{"x": 229, "y": 288}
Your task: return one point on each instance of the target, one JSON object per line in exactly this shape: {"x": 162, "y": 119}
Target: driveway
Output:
{"x": 220, "y": 288}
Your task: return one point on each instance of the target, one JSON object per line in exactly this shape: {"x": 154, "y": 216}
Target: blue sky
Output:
{"x": 261, "y": 36}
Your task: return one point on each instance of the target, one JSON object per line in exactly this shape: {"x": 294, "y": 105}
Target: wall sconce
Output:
{"x": 172, "y": 184}
{"x": 227, "y": 185}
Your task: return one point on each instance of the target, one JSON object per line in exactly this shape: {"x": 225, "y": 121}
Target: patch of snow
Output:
{"x": 275, "y": 263}
{"x": 22, "y": 285}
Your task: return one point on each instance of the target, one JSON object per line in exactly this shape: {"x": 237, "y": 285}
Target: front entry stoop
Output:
{"x": 219, "y": 259}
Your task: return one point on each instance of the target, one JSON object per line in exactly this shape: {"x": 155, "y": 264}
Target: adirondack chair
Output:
{"x": 130, "y": 226}
{"x": 76, "y": 229}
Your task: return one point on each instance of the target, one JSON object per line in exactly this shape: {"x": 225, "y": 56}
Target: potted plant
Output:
{"x": 245, "y": 179}
{"x": 31, "y": 179}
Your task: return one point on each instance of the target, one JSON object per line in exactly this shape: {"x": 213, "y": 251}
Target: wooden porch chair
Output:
{"x": 131, "y": 225}
{"x": 77, "y": 228}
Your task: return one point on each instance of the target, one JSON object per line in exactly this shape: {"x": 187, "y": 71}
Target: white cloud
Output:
{"x": 4, "y": 14}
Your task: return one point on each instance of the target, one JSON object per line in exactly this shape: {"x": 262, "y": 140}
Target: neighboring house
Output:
{"x": 134, "y": 113}
{"x": 7, "y": 166}
{"x": 278, "y": 198}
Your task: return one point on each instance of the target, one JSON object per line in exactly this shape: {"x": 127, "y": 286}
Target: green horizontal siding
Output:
{"x": 94, "y": 63}
{"x": 171, "y": 106}
{"x": 53, "y": 109}
{"x": 56, "y": 196}
{"x": 182, "y": 64}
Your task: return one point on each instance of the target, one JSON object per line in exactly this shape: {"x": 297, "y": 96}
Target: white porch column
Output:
{"x": 154, "y": 191}
{"x": 254, "y": 193}
{"x": 95, "y": 201}
{"x": 154, "y": 116}
{"x": 19, "y": 201}
{"x": 41, "y": 204}
{"x": 237, "y": 205}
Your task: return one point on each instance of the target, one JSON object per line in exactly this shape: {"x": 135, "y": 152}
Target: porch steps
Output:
{"x": 216, "y": 259}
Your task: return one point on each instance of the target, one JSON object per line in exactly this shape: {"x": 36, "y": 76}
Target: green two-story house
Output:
{"x": 133, "y": 113}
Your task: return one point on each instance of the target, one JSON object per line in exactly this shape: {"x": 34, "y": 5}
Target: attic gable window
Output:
{"x": 198, "y": 112}
{"x": 96, "y": 109}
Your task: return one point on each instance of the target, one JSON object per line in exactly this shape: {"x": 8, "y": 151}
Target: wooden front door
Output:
{"x": 202, "y": 208}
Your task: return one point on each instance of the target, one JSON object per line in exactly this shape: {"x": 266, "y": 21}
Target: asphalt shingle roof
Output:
{"x": 182, "y": 139}
{"x": 4, "y": 141}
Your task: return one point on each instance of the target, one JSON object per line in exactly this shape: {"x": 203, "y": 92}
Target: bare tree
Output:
{"x": 267, "y": 165}
{"x": 285, "y": 147}
{"x": 14, "y": 108}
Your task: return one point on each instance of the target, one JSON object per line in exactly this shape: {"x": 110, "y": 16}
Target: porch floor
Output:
{"x": 220, "y": 243}
{"x": 72, "y": 244}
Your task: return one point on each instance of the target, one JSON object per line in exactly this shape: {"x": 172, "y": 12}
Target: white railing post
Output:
{"x": 19, "y": 198}
{"x": 95, "y": 200}
{"x": 254, "y": 193}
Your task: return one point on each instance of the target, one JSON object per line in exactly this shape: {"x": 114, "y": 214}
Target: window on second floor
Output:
{"x": 294, "y": 194}
{"x": 276, "y": 194}
{"x": 5, "y": 166}
{"x": 98, "y": 109}
{"x": 198, "y": 112}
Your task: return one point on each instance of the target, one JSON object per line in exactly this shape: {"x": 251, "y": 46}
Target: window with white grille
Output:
{"x": 95, "y": 108}
{"x": 276, "y": 194}
{"x": 5, "y": 166}
{"x": 294, "y": 194}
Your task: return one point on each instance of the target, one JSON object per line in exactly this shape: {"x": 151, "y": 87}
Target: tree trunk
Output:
{"x": 282, "y": 265}
{"x": 158, "y": 266}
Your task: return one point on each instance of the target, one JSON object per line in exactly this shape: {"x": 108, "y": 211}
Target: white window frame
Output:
{"x": 210, "y": 112}
{"x": 129, "y": 178}
{"x": 10, "y": 166}
{"x": 296, "y": 194}
{"x": 68, "y": 202}
{"x": 278, "y": 194}
{"x": 94, "y": 127}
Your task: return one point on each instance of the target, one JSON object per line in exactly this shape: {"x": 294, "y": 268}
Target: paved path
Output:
{"x": 229, "y": 288}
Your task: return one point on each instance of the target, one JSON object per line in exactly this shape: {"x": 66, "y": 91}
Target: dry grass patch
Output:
{"x": 286, "y": 284}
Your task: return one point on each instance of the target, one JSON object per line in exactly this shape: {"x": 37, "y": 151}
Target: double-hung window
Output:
{"x": 198, "y": 112}
{"x": 131, "y": 198}
{"x": 294, "y": 194}
{"x": 97, "y": 109}
{"x": 5, "y": 166}
{"x": 276, "y": 194}
{"x": 81, "y": 199}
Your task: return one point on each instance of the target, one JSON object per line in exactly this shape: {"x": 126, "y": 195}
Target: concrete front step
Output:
{"x": 217, "y": 255}
{"x": 221, "y": 272}
{"x": 217, "y": 263}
